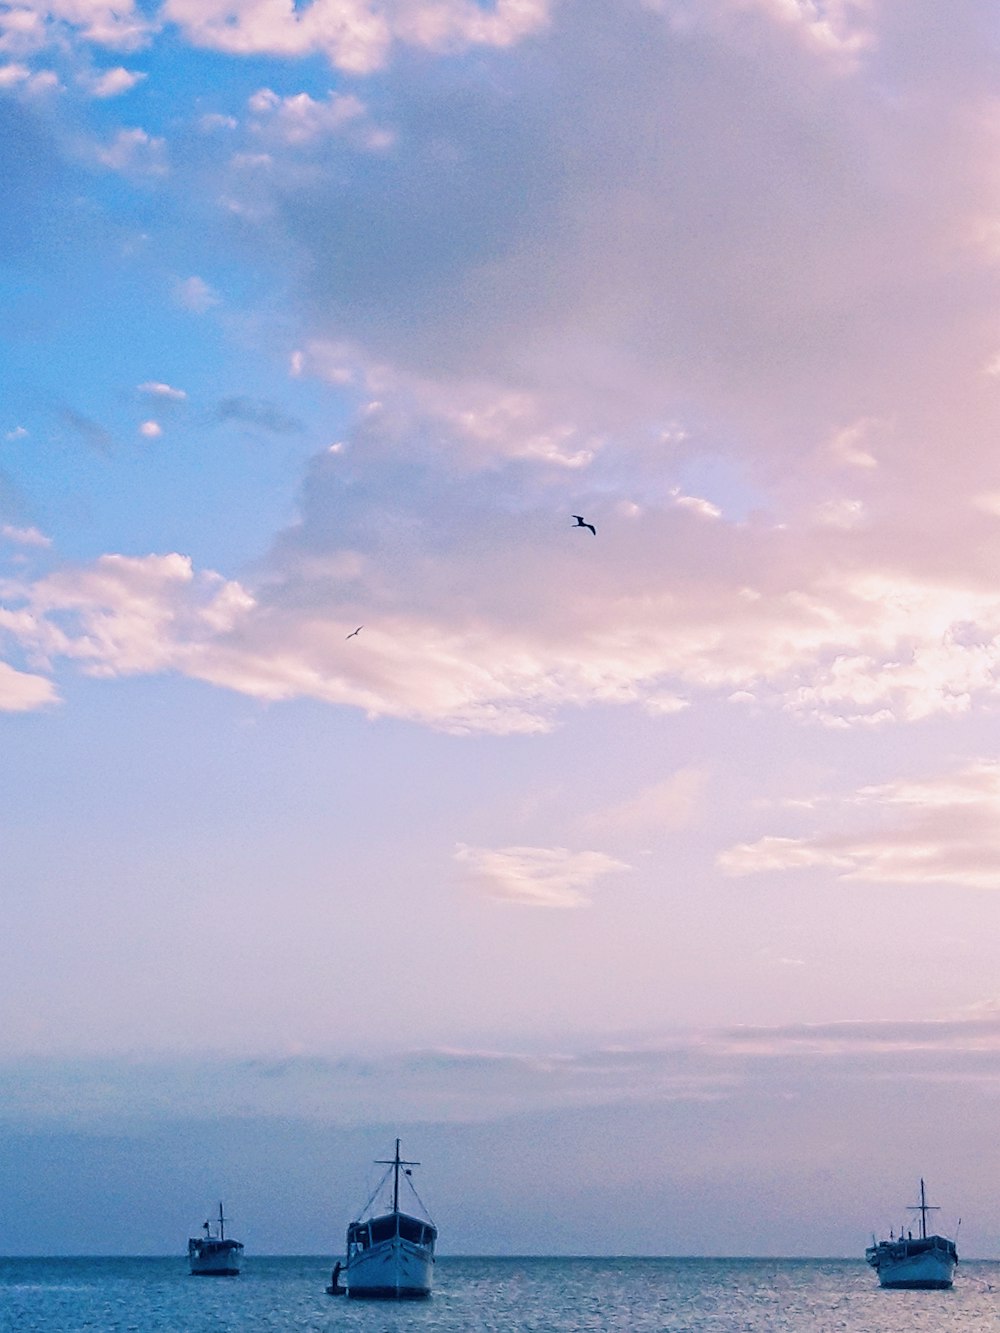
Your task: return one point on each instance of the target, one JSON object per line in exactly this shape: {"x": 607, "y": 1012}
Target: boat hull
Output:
{"x": 929, "y": 1268}
{"x": 393, "y": 1270}
{"x": 215, "y": 1259}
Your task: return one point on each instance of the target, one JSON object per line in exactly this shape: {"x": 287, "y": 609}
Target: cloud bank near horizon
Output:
{"x": 466, "y": 1085}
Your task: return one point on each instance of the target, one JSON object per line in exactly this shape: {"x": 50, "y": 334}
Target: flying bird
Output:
{"x": 355, "y": 631}
{"x": 581, "y": 524}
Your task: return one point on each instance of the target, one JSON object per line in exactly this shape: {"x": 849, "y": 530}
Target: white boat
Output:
{"x": 914, "y": 1261}
{"x": 215, "y": 1256}
{"x": 390, "y": 1255}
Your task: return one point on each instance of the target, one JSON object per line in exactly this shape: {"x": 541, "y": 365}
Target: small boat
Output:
{"x": 924, "y": 1262}
{"x": 390, "y": 1255}
{"x": 215, "y": 1256}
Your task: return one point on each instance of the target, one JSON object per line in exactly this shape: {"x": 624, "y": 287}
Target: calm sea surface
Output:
{"x": 547, "y": 1295}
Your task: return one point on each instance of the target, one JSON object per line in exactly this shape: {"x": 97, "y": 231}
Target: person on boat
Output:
{"x": 335, "y": 1275}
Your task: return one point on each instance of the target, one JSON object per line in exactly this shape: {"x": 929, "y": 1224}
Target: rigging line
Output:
{"x": 427, "y": 1211}
{"x": 374, "y": 1193}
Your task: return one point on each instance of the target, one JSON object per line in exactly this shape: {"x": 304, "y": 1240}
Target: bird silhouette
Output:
{"x": 581, "y": 524}
{"x": 355, "y": 631}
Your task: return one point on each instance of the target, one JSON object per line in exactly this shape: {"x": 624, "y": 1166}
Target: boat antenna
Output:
{"x": 395, "y": 1162}
{"x": 923, "y": 1208}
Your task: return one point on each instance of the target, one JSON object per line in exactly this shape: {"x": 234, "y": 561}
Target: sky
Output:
{"x": 643, "y": 881}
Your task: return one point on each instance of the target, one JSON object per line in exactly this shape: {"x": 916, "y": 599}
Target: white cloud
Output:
{"x": 123, "y": 615}
{"x": 775, "y": 853}
{"x": 535, "y": 876}
{"x": 156, "y": 389}
{"x": 481, "y": 418}
{"x": 943, "y": 830}
{"x": 195, "y": 294}
{"x": 30, "y": 25}
{"x": 18, "y": 433}
{"x": 215, "y": 120}
{"x": 15, "y": 75}
{"x": 22, "y": 31}
{"x": 24, "y": 536}
{"x": 152, "y": 430}
{"x": 134, "y": 152}
{"x": 610, "y": 622}
{"x": 848, "y": 449}
{"x": 354, "y": 35}
{"x": 931, "y": 648}
{"x": 44, "y": 81}
{"x": 114, "y": 82}
{"x": 509, "y": 423}
{"x": 21, "y": 692}
{"x": 299, "y": 119}
{"x": 696, "y": 504}
{"x": 835, "y": 30}
{"x": 662, "y": 705}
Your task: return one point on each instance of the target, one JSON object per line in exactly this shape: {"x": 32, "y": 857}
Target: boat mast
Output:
{"x": 222, "y": 1223}
{"x": 923, "y": 1208}
{"x": 396, "y": 1162}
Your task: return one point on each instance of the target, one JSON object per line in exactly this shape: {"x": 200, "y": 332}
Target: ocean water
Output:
{"x": 536, "y": 1295}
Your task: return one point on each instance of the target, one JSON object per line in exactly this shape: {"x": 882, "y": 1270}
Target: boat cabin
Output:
{"x": 362, "y": 1235}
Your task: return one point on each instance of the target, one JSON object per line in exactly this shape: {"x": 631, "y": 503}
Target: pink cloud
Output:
{"x": 535, "y": 876}
{"x": 940, "y": 830}
{"x": 354, "y": 35}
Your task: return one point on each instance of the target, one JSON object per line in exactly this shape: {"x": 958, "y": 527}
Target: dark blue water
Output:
{"x": 543, "y": 1295}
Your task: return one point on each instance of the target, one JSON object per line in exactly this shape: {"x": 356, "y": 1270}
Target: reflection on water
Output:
{"x": 543, "y": 1295}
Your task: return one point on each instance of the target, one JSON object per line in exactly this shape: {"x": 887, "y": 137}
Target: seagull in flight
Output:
{"x": 581, "y": 524}
{"x": 355, "y": 631}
